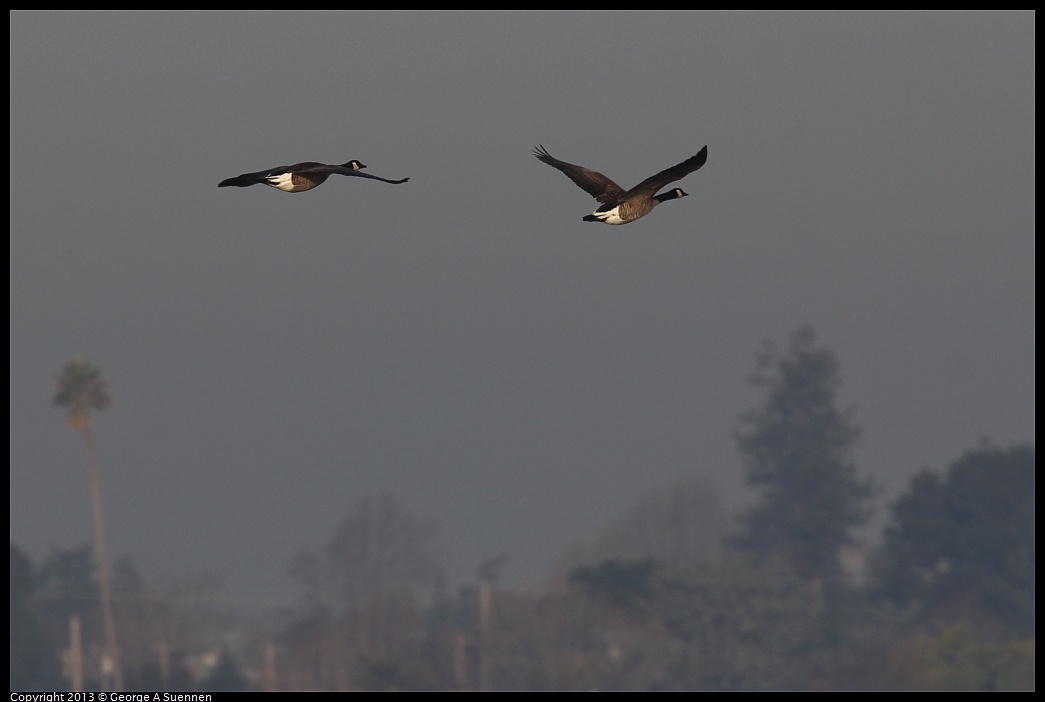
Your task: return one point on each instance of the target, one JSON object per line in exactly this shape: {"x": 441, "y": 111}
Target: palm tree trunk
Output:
{"x": 112, "y": 649}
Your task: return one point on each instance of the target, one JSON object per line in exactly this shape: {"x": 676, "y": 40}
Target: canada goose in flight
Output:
{"x": 301, "y": 176}
{"x": 621, "y": 206}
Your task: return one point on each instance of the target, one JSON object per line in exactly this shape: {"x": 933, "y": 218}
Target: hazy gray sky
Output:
{"x": 465, "y": 340}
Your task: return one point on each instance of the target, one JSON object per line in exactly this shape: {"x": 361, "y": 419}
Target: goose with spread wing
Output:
{"x": 620, "y": 206}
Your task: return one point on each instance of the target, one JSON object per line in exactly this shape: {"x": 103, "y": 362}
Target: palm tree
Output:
{"x": 81, "y": 388}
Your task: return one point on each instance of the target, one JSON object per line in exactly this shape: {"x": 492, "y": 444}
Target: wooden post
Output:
{"x": 74, "y": 656}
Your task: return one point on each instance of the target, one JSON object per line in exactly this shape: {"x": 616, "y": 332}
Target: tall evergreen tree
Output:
{"x": 796, "y": 450}
{"x": 79, "y": 389}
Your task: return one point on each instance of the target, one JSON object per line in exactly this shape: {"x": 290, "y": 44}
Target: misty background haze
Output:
{"x": 464, "y": 341}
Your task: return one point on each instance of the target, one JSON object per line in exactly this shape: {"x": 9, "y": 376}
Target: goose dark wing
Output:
{"x": 592, "y": 182}
{"x": 669, "y": 175}
{"x": 360, "y": 174}
{"x": 305, "y": 167}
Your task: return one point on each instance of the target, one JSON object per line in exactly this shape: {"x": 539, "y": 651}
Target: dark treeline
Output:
{"x": 665, "y": 599}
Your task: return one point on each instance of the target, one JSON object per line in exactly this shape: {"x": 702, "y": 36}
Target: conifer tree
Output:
{"x": 796, "y": 450}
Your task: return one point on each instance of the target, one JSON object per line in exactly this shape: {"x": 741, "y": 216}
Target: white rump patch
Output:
{"x": 283, "y": 181}
{"x": 610, "y": 216}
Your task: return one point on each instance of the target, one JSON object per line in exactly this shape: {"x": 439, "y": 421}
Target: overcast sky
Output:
{"x": 464, "y": 340}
